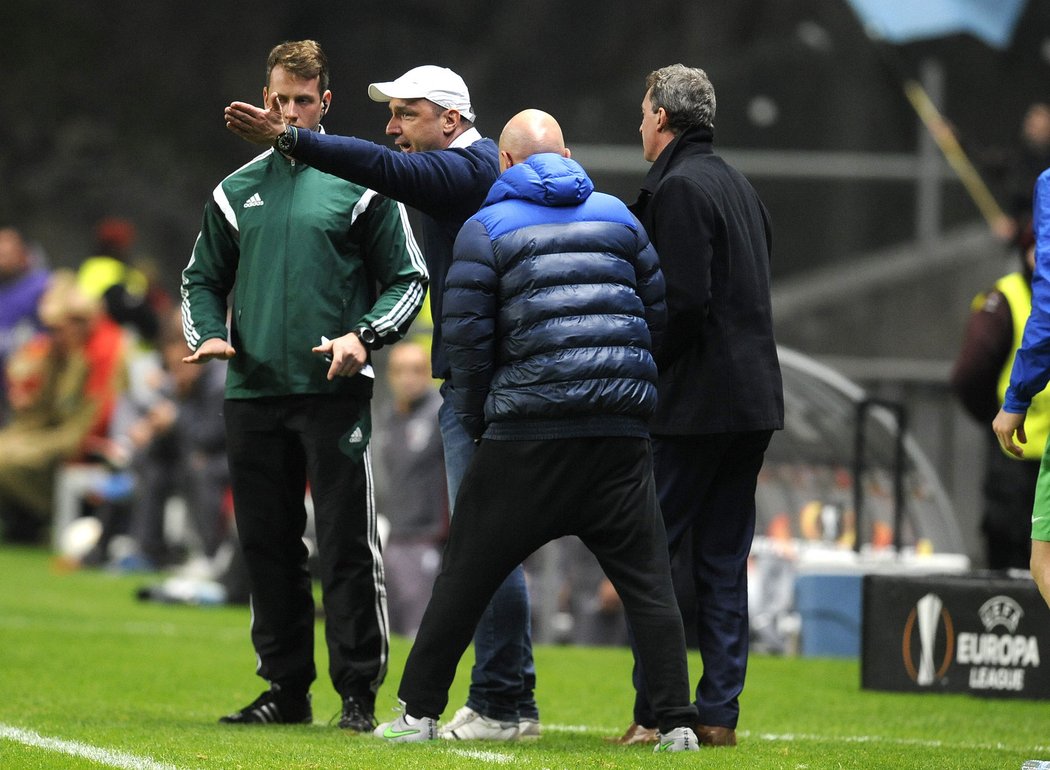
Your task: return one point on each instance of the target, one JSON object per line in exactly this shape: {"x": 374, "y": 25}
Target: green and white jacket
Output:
{"x": 303, "y": 253}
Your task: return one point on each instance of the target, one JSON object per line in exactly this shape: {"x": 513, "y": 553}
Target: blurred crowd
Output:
{"x": 111, "y": 450}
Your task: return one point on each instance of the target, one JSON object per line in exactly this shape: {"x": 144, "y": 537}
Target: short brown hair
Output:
{"x": 302, "y": 58}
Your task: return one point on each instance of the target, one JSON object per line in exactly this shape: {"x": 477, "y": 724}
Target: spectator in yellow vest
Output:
{"x": 111, "y": 275}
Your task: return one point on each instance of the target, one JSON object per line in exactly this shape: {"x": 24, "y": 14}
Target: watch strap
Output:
{"x": 366, "y": 334}
{"x": 285, "y": 141}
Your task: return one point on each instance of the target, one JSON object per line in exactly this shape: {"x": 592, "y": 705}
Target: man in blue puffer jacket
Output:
{"x": 552, "y": 305}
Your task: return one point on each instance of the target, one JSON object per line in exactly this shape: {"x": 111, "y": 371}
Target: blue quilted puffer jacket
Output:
{"x": 552, "y": 307}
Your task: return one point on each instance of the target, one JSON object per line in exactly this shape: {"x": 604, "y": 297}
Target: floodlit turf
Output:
{"x": 90, "y": 677}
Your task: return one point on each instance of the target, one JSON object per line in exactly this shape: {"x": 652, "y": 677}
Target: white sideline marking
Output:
{"x": 929, "y": 743}
{"x": 579, "y": 729}
{"x": 484, "y": 756}
{"x": 794, "y": 737}
{"x": 75, "y": 748}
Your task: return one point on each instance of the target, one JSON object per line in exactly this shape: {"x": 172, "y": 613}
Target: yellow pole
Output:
{"x": 953, "y": 153}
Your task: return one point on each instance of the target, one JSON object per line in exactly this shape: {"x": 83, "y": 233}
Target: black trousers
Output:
{"x": 1006, "y": 520}
{"x": 275, "y": 446}
{"x": 518, "y": 495}
{"x": 706, "y": 485}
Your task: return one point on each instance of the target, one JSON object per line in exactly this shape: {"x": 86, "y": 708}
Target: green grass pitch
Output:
{"x": 90, "y": 677}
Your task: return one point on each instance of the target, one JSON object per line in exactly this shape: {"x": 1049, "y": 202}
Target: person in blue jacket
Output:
{"x": 443, "y": 168}
{"x": 1029, "y": 376}
{"x": 553, "y": 304}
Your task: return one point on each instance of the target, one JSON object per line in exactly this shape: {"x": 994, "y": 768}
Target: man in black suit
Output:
{"x": 720, "y": 390}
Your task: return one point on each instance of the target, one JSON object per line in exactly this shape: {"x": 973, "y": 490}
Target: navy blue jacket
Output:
{"x": 719, "y": 371}
{"x": 446, "y": 186}
{"x": 552, "y": 306}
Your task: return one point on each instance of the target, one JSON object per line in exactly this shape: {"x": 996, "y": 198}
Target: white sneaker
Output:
{"x": 529, "y": 729}
{"x": 406, "y": 729}
{"x": 469, "y": 725}
{"x": 679, "y": 739}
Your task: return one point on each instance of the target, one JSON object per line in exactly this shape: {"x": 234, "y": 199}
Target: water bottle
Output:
{"x": 1036, "y": 764}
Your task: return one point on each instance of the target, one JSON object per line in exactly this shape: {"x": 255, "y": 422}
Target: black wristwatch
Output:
{"x": 366, "y": 334}
{"x": 285, "y": 141}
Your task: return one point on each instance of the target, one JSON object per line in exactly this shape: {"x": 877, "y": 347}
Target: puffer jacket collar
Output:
{"x": 545, "y": 178}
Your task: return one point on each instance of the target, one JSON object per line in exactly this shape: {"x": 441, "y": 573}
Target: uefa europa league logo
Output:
{"x": 928, "y": 609}
{"x": 929, "y": 617}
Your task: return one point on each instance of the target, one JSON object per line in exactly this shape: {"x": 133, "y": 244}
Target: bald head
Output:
{"x": 528, "y": 133}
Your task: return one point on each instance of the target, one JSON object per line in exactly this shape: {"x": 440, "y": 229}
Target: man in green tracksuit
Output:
{"x": 302, "y": 253}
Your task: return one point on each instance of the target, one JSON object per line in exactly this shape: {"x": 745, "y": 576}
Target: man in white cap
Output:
{"x": 444, "y": 170}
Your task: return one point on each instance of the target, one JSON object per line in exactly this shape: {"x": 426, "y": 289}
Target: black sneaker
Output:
{"x": 273, "y": 707}
{"x": 358, "y": 715}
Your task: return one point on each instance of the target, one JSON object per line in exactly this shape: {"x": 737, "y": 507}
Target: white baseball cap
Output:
{"x": 438, "y": 84}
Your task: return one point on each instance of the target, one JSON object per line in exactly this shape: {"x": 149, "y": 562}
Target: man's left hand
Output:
{"x": 254, "y": 123}
{"x": 348, "y": 355}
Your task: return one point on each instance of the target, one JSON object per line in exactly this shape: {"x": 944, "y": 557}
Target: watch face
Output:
{"x": 284, "y": 141}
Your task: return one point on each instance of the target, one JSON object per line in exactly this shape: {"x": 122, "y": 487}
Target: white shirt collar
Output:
{"x": 466, "y": 139}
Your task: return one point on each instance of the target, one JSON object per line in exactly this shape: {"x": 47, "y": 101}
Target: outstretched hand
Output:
{"x": 256, "y": 124}
{"x": 211, "y": 348}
